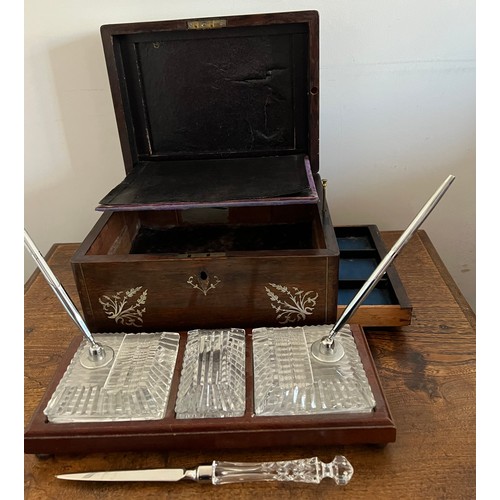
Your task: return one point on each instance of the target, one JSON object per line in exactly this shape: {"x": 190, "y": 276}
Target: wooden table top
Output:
{"x": 427, "y": 371}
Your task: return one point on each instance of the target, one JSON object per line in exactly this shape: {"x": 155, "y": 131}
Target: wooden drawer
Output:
{"x": 361, "y": 249}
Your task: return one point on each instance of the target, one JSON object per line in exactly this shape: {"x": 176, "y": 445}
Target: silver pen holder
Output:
{"x": 289, "y": 381}
{"x": 136, "y": 386}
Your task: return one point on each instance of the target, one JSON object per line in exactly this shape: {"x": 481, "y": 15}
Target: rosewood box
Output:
{"x": 220, "y": 220}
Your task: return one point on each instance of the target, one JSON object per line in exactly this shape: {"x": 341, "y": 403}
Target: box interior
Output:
{"x": 213, "y": 117}
{"x": 210, "y": 230}
{"x": 239, "y": 91}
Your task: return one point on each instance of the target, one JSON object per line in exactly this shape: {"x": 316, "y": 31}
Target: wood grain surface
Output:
{"x": 427, "y": 370}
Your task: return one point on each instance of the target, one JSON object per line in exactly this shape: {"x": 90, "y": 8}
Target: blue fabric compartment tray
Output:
{"x": 361, "y": 250}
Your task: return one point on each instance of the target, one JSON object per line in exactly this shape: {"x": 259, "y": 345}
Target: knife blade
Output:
{"x": 165, "y": 475}
{"x": 306, "y": 470}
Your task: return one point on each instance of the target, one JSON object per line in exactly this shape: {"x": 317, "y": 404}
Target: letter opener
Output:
{"x": 308, "y": 470}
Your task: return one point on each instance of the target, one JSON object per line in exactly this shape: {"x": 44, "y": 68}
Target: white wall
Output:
{"x": 397, "y": 113}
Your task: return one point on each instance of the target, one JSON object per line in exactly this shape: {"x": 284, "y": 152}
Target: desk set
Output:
{"x": 222, "y": 309}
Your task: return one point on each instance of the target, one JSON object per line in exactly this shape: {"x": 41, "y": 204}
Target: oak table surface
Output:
{"x": 427, "y": 371}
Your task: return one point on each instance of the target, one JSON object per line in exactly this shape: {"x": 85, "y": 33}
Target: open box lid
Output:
{"x": 215, "y": 112}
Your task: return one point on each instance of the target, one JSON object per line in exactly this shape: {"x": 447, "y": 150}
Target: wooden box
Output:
{"x": 221, "y": 221}
{"x": 218, "y": 222}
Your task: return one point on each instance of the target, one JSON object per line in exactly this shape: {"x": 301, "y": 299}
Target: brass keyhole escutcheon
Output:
{"x": 203, "y": 282}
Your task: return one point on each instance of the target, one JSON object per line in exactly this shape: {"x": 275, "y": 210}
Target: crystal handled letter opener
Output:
{"x": 307, "y": 470}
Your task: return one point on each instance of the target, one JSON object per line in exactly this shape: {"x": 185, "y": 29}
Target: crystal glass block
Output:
{"x": 281, "y": 366}
{"x": 212, "y": 383}
{"x": 289, "y": 381}
{"x": 136, "y": 386}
